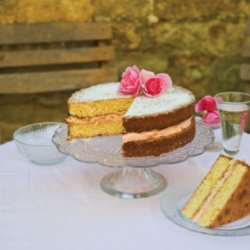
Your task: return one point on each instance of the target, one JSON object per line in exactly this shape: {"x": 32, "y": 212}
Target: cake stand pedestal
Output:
{"x": 131, "y": 177}
{"x": 129, "y": 182}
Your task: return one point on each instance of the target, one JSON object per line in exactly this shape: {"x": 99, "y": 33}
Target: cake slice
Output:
{"x": 223, "y": 196}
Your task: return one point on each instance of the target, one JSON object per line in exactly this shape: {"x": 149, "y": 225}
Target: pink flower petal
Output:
{"x": 131, "y": 81}
{"x": 199, "y": 107}
{"x": 207, "y": 103}
{"x": 166, "y": 79}
{"x": 154, "y": 87}
{"x": 145, "y": 75}
{"x": 211, "y": 118}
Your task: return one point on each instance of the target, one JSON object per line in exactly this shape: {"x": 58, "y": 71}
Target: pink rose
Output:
{"x": 154, "y": 85}
{"x": 146, "y": 74}
{"x": 207, "y": 103}
{"x": 131, "y": 81}
{"x": 211, "y": 118}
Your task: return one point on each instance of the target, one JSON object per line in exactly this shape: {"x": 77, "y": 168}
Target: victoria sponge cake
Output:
{"x": 151, "y": 126}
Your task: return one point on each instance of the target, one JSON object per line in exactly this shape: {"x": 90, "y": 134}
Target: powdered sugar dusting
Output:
{"x": 175, "y": 98}
{"x": 98, "y": 92}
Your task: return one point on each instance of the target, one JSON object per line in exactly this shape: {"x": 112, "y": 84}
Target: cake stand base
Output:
{"x": 130, "y": 183}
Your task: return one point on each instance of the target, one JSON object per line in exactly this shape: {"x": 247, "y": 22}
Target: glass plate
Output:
{"x": 174, "y": 200}
{"x": 106, "y": 150}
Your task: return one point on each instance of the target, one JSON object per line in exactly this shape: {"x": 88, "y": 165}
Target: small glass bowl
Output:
{"x": 35, "y": 142}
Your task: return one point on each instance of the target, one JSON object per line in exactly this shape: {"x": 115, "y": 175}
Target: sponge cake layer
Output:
{"x": 94, "y": 126}
{"x": 100, "y": 99}
{"x": 97, "y": 108}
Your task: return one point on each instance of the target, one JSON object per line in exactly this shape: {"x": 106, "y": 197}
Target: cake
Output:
{"x": 223, "y": 196}
{"x": 151, "y": 125}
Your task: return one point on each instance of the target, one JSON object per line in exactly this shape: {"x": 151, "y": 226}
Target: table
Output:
{"x": 62, "y": 207}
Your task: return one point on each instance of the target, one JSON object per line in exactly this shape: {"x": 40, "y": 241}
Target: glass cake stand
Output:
{"x": 132, "y": 177}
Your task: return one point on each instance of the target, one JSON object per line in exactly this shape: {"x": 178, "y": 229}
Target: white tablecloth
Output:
{"x": 62, "y": 207}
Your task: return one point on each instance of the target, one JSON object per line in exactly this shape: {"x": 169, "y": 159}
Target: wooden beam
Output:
{"x": 53, "y": 32}
{"x": 54, "y": 81}
{"x": 55, "y": 56}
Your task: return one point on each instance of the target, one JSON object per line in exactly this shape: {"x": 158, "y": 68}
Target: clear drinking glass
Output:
{"x": 233, "y": 108}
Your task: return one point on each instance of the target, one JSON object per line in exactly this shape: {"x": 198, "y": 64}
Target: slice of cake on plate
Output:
{"x": 223, "y": 196}
{"x": 158, "y": 121}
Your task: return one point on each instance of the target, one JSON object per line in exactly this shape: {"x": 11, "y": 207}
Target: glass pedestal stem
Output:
{"x": 130, "y": 182}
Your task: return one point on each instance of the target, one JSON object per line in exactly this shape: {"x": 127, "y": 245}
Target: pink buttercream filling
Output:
{"x": 86, "y": 120}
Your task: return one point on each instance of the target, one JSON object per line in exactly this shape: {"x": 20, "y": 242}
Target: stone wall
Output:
{"x": 198, "y": 43}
